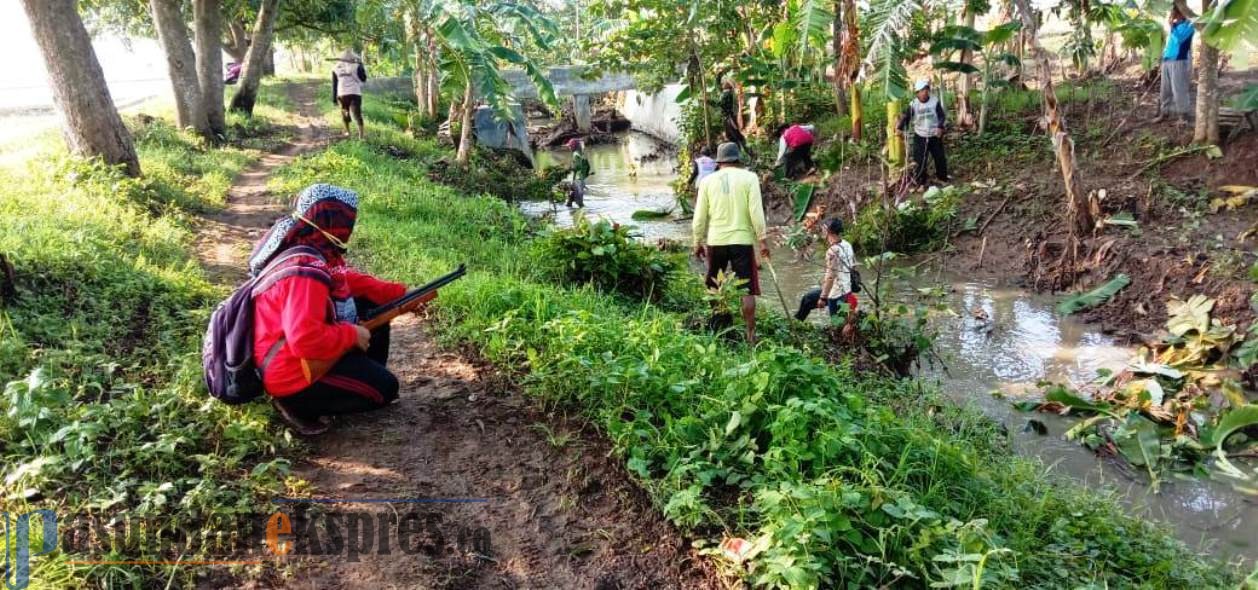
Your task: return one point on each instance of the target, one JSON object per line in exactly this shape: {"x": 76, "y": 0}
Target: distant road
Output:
{"x": 27, "y": 110}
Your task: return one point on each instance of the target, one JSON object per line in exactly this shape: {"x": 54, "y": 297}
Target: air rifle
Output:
{"x": 382, "y": 315}
{"x": 412, "y": 300}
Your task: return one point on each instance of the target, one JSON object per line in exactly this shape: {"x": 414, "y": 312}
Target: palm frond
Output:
{"x": 812, "y": 21}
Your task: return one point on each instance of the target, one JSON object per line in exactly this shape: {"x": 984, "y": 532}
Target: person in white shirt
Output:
{"x": 836, "y": 285}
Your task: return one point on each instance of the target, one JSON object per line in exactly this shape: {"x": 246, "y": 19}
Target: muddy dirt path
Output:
{"x": 552, "y": 509}
{"x": 226, "y": 238}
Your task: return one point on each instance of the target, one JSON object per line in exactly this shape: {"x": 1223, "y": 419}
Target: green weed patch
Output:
{"x": 102, "y": 410}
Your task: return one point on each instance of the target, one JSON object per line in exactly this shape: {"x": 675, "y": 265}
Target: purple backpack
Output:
{"x": 231, "y": 374}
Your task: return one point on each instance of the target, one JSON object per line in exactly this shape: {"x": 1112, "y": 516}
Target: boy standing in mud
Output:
{"x": 729, "y": 219}
{"x": 923, "y": 124}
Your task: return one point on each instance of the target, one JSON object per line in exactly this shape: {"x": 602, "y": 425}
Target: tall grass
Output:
{"x": 102, "y": 409}
{"x": 839, "y": 478}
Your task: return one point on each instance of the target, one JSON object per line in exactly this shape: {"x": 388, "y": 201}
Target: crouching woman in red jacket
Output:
{"x": 306, "y": 312}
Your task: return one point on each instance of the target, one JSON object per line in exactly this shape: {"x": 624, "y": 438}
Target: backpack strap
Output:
{"x": 288, "y": 264}
{"x": 270, "y": 354}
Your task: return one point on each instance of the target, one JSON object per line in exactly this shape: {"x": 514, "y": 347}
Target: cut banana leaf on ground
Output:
{"x": 645, "y": 214}
{"x": 1094, "y": 297}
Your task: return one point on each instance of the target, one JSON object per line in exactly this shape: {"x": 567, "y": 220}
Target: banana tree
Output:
{"x": 886, "y": 21}
{"x": 987, "y": 44}
{"x": 476, "y": 40}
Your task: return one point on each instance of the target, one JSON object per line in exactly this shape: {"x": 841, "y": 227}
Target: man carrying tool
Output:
{"x": 923, "y": 123}
{"x": 580, "y": 172}
{"x": 728, "y": 223}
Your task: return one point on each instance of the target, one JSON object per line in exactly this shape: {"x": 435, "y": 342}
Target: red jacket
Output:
{"x": 300, "y": 309}
{"x": 796, "y": 136}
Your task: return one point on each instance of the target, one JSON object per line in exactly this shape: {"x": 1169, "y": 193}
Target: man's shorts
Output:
{"x": 741, "y": 257}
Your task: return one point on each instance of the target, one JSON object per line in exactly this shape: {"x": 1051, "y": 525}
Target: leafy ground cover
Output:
{"x": 835, "y": 477}
{"x": 103, "y": 410}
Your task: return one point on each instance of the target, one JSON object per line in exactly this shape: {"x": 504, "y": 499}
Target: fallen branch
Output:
{"x": 1171, "y": 156}
{"x": 993, "y": 215}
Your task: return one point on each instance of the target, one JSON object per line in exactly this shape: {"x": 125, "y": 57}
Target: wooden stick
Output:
{"x": 981, "y": 250}
{"x": 993, "y": 216}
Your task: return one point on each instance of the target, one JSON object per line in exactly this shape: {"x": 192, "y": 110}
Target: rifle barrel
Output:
{"x": 416, "y": 293}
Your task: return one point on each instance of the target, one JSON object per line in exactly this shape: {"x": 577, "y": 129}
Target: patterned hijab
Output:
{"x": 320, "y": 209}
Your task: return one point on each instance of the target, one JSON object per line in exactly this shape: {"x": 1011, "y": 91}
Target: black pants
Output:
{"x": 798, "y": 160}
{"x": 735, "y": 135}
{"x": 808, "y": 302}
{"x": 357, "y": 383}
{"x": 934, "y": 146}
{"x": 351, "y": 105}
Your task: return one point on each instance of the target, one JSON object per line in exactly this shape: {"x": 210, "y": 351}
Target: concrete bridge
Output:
{"x": 568, "y": 82}
{"x": 655, "y": 114}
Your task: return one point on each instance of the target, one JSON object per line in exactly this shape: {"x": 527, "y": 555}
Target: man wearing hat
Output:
{"x": 728, "y": 223}
{"x": 348, "y": 77}
{"x": 580, "y": 172}
{"x": 925, "y": 115}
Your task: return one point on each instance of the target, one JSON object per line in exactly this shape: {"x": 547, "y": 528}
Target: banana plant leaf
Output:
{"x": 1232, "y": 421}
{"x": 1094, "y": 297}
{"x": 803, "y": 198}
{"x": 647, "y": 214}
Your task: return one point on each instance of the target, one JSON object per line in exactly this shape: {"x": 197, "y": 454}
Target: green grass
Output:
{"x": 842, "y": 479}
{"x": 103, "y": 410}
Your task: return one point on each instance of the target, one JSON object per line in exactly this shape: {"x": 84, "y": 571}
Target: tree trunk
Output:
{"x": 964, "y": 117}
{"x": 1206, "y": 126}
{"x": 434, "y": 82}
{"x": 259, "y": 47}
{"x": 268, "y": 62}
{"x": 237, "y": 44}
{"x": 840, "y": 95}
{"x": 419, "y": 79}
{"x": 92, "y": 125}
{"x": 181, "y": 65}
{"x": 858, "y": 118}
{"x": 207, "y": 17}
{"x": 465, "y": 133}
{"x": 1078, "y": 210}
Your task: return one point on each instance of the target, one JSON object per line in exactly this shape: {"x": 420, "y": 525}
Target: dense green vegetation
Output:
{"x": 838, "y": 478}
{"x": 103, "y": 410}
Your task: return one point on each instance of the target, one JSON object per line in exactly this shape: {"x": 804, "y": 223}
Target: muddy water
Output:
{"x": 995, "y": 346}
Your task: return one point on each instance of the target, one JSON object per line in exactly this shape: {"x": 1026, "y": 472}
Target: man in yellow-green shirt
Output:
{"x": 728, "y": 223}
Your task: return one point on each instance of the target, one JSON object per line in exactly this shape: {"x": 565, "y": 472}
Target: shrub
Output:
{"x": 911, "y": 226}
{"x": 606, "y": 255}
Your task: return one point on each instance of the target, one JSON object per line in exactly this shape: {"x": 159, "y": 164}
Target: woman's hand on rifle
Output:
{"x": 364, "y": 338}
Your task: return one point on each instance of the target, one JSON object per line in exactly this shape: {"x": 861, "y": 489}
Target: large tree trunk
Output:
{"x": 965, "y": 118}
{"x": 181, "y": 65}
{"x": 259, "y": 46}
{"x": 92, "y": 125}
{"x": 237, "y": 43}
{"x": 207, "y": 17}
{"x": 465, "y": 132}
{"x": 840, "y": 80}
{"x": 1077, "y": 207}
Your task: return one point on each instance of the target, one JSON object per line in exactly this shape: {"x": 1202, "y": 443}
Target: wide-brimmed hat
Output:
{"x": 728, "y": 152}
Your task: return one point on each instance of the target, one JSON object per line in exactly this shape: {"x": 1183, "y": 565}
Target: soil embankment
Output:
{"x": 557, "y": 511}
{"x": 1167, "y": 240}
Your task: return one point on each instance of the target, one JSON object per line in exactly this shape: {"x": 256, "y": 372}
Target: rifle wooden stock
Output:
{"x": 382, "y": 315}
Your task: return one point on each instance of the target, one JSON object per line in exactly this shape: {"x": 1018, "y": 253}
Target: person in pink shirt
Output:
{"x": 795, "y": 148}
